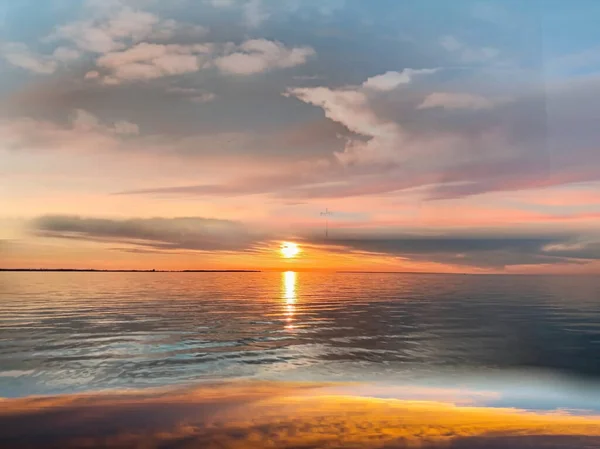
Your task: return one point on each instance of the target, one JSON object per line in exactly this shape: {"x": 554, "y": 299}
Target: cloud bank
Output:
{"x": 127, "y": 45}
{"x": 189, "y": 233}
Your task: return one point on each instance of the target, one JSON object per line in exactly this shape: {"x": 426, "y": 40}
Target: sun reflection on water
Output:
{"x": 288, "y": 281}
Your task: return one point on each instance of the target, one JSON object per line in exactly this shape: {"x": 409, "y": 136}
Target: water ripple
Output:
{"x": 82, "y": 331}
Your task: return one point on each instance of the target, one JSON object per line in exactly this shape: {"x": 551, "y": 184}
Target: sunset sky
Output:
{"x": 444, "y": 136}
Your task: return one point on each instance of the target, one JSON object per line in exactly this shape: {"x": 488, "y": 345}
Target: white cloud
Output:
{"x": 84, "y": 121}
{"x": 559, "y": 247}
{"x": 130, "y": 23}
{"x": 203, "y": 98}
{"x": 109, "y": 33}
{"x": 65, "y": 54}
{"x": 450, "y": 100}
{"x": 20, "y": 55}
{"x": 89, "y": 38}
{"x": 391, "y": 80}
{"x": 92, "y": 75}
{"x": 467, "y": 53}
{"x": 124, "y": 41}
{"x": 351, "y": 108}
{"x": 148, "y": 61}
{"x": 450, "y": 43}
{"x": 390, "y": 142}
{"x": 126, "y": 128}
{"x": 84, "y": 133}
{"x": 260, "y": 55}
{"x": 118, "y": 27}
{"x": 254, "y": 13}
{"x": 165, "y": 30}
{"x": 241, "y": 64}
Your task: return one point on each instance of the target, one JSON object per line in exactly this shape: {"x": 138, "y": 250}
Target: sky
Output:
{"x": 201, "y": 134}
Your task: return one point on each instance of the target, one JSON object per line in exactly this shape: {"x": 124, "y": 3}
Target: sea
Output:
{"x": 532, "y": 341}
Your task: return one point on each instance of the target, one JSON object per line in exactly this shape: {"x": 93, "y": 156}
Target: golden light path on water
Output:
{"x": 288, "y": 281}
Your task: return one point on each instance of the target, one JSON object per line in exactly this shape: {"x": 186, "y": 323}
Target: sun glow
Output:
{"x": 289, "y": 250}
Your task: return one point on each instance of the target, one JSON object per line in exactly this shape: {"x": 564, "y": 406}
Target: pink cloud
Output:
{"x": 261, "y": 55}
{"x": 391, "y": 80}
{"x": 453, "y": 100}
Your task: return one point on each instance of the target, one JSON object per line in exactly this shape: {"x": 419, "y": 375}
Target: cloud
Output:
{"x": 83, "y": 121}
{"x": 241, "y": 185}
{"x": 351, "y": 108}
{"x": 391, "y": 80}
{"x": 388, "y": 144}
{"x": 193, "y": 94}
{"x": 451, "y": 100}
{"x": 84, "y": 132}
{"x": 459, "y": 144}
{"x": 579, "y": 248}
{"x": 65, "y": 54}
{"x": 203, "y": 98}
{"x": 128, "y": 46}
{"x": 148, "y": 61}
{"x": 20, "y": 55}
{"x": 189, "y": 233}
{"x": 491, "y": 250}
{"x": 92, "y": 75}
{"x": 286, "y": 415}
{"x": 466, "y": 53}
{"x": 170, "y": 28}
{"x": 254, "y": 13}
{"x": 261, "y": 55}
{"x": 107, "y": 34}
{"x": 126, "y": 128}
{"x": 114, "y": 36}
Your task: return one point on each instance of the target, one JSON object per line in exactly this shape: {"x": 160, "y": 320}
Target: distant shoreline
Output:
{"x": 92, "y": 270}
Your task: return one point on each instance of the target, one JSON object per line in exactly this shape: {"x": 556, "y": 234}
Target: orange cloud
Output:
{"x": 277, "y": 415}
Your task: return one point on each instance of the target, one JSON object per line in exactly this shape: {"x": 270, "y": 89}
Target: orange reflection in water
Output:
{"x": 278, "y": 414}
{"x": 288, "y": 287}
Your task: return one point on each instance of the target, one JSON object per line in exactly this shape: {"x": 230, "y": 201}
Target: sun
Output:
{"x": 289, "y": 250}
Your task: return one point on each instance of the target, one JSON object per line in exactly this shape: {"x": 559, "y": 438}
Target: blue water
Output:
{"x": 533, "y": 340}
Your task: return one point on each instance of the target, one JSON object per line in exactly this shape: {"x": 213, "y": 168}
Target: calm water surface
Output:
{"x": 66, "y": 332}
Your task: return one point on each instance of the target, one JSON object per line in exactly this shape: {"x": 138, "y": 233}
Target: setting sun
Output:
{"x": 289, "y": 250}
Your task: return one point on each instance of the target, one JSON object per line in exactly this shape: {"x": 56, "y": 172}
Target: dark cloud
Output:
{"x": 188, "y": 233}
{"x": 444, "y": 244}
{"x": 491, "y": 251}
{"x": 258, "y": 415}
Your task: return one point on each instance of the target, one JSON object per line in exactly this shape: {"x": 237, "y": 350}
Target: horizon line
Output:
{"x": 126, "y": 270}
